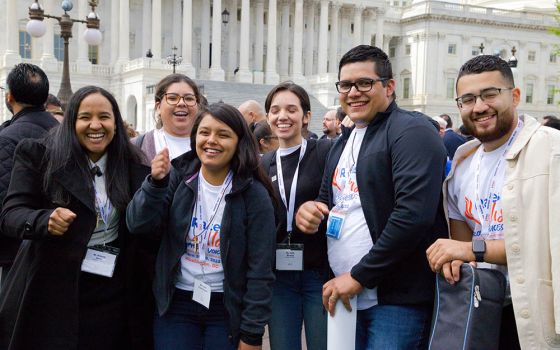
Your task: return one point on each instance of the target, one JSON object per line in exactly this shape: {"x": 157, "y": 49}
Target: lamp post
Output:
{"x": 37, "y": 28}
{"x": 512, "y": 62}
{"x": 173, "y": 59}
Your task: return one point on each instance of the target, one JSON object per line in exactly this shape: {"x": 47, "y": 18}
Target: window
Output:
{"x": 551, "y": 90}
{"x": 24, "y": 44}
{"x": 406, "y": 88}
{"x": 529, "y": 93}
{"x": 407, "y": 49}
{"x": 552, "y": 58}
{"x": 452, "y": 49}
{"x": 450, "y": 88}
{"x": 58, "y": 47}
{"x": 475, "y": 51}
{"x": 392, "y": 51}
{"x": 93, "y": 54}
{"x": 531, "y": 56}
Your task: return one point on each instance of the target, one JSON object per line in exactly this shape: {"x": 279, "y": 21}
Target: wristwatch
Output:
{"x": 479, "y": 248}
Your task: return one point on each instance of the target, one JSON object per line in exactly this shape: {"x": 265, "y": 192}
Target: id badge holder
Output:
{"x": 334, "y": 223}
{"x": 289, "y": 257}
{"x": 202, "y": 293}
{"x": 100, "y": 260}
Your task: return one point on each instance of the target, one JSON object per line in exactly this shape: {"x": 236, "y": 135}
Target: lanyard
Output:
{"x": 289, "y": 206}
{"x": 483, "y": 208}
{"x": 105, "y": 208}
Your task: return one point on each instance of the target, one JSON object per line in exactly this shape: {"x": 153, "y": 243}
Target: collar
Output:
{"x": 26, "y": 110}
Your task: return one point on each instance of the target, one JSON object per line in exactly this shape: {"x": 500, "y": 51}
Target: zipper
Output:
{"x": 477, "y": 296}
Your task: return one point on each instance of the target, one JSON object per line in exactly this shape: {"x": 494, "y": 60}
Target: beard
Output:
{"x": 503, "y": 125}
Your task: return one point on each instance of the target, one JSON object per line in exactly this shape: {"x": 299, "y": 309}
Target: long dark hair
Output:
{"x": 63, "y": 149}
{"x": 246, "y": 160}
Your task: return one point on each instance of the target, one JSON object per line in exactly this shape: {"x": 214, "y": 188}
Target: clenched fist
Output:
{"x": 60, "y": 220}
{"x": 161, "y": 165}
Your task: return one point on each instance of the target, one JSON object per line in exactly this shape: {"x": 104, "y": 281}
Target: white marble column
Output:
{"x": 114, "y": 35}
{"x": 357, "y": 39}
{"x": 124, "y": 31}
{"x": 82, "y": 62}
{"x": 285, "y": 41}
{"x": 271, "y": 76}
{"x": 146, "y": 26}
{"x": 47, "y": 57}
{"x": 156, "y": 29}
{"x": 232, "y": 36}
{"x": 323, "y": 37}
{"x": 216, "y": 71}
{"x": 177, "y": 27}
{"x": 309, "y": 36}
{"x": 187, "y": 41}
{"x": 258, "y": 75}
{"x": 205, "y": 40}
{"x": 244, "y": 74}
{"x": 333, "y": 48}
{"x": 380, "y": 13}
{"x": 11, "y": 34}
{"x": 297, "y": 52}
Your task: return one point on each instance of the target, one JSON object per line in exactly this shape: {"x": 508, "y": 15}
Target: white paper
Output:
{"x": 202, "y": 293}
{"x": 289, "y": 260}
{"x": 99, "y": 262}
{"x": 341, "y": 328}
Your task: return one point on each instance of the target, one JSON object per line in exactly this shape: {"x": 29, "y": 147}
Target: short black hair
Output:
{"x": 28, "y": 84}
{"x": 549, "y": 118}
{"x": 486, "y": 63}
{"x": 340, "y": 114}
{"x": 447, "y": 118}
{"x": 553, "y": 123}
{"x": 53, "y": 100}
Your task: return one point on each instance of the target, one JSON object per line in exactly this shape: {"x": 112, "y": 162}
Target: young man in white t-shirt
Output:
{"x": 500, "y": 194}
{"x": 380, "y": 195}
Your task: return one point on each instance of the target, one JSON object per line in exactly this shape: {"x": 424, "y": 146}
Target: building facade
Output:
{"x": 268, "y": 41}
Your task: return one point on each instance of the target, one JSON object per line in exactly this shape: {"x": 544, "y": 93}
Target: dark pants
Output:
{"x": 508, "y": 330}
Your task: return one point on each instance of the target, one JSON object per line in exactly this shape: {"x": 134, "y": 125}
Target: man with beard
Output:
{"x": 27, "y": 91}
{"x": 502, "y": 197}
{"x": 331, "y": 125}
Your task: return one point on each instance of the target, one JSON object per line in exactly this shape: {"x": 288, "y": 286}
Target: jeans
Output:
{"x": 393, "y": 327}
{"x": 187, "y": 325}
{"x": 297, "y": 299}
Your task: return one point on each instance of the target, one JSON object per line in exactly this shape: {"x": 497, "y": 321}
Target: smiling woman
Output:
{"x": 67, "y": 287}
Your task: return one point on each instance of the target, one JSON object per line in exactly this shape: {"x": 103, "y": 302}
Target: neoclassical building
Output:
{"x": 268, "y": 41}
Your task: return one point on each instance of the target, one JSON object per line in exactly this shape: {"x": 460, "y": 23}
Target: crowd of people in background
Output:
{"x": 222, "y": 221}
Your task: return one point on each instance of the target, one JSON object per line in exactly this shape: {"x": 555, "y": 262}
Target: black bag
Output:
{"x": 467, "y": 315}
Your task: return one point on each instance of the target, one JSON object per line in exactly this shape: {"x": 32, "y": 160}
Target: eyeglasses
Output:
{"x": 173, "y": 99}
{"x": 488, "y": 95}
{"x": 362, "y": 85}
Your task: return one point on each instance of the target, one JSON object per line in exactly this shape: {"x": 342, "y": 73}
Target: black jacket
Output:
{"x": 247, "y": 242}
{"x": 31, "y": 122}
{"x": 310, "y": 171}
{"x": 400, "y": 170}
{"x": 40, "y": 301}
{"x": 452, "y": 141}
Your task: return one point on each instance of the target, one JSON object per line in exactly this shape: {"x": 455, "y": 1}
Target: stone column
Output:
{"x": 47, "y": 57}
{"x": 285, "y": 41}
{"x": 11, "y": 53}
{"x": 216, "y": 71}
{"x": 258, "y": 75}
{"x": 380, "y": 13}
{"x": 357, "y": 39}
{"x": 232, "y": 36}
{"x": 205, "y": 39}
{"x": 333, "y": 55}
{"x": 124, "y": 31}
{"x": 82, "y": 62}
{"x": 271, "y": 76}
{"x": 146, "y": 26}
{"x": 187, "y": 42}
{"x": 309, "y": 36}
{"x": 297, "y": 52}
{"x": 244, "y": 75}
{"x": 156, "y": 29}
{"x": 323, "y": 37}
{"x": 115, "y": 18}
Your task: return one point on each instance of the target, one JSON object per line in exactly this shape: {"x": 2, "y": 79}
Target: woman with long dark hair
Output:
{"x": 213, "y": 282}
{"x": 301, "y": 260}
{"x": 66, "y": 200}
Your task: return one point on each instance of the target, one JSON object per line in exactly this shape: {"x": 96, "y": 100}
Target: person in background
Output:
{"x": 27, "y": 90}
{"x": 54, "y": 107}
{"x": 266, "y": 140}
{"x": 68, "y": 286}
{"x": 547, "y": 119}
{"x": 451, "y": 139}
{"x": 308, "y": 134}
{"x": 331, "y": 125}
{"x": 253, "y": 113}
{"x": 213, "y": 283}
{"x": 294, "y": 169}
{"x": 177, "y": 100}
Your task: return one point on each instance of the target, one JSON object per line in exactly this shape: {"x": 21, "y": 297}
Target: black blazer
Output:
{"x": 400, "y": 170}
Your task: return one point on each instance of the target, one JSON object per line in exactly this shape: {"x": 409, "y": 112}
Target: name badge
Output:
{"x": 100, "y": 260}
{"x": 334, "y": 223}
{"x": 289, "y": 257}
{"x": 202, "y": 293}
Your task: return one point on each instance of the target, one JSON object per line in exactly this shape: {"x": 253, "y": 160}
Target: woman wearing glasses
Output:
{"x": 301, "y": 260}
{"x": 176, "y": 101}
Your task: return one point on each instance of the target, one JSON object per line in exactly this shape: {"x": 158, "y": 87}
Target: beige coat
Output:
{"x": 531, "y": 207}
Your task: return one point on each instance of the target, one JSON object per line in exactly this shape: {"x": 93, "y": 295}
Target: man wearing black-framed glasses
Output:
{"x": 380, "y": 196}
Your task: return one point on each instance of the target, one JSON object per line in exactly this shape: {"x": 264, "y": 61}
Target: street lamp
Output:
{"x": 512, "y": 62}
{"x": 37, "y": 28}
{"x": 173, "y": 59}
{"x": 225, "y": 16}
